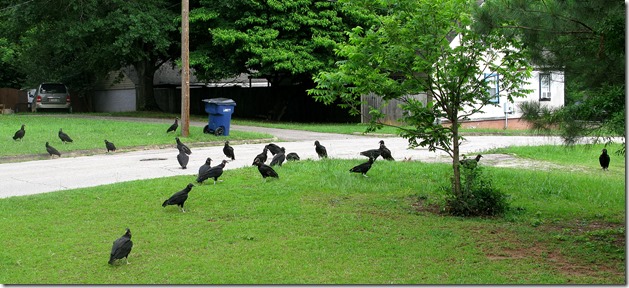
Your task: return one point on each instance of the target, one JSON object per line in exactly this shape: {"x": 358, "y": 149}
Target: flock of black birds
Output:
{"x": 123, "y": 245}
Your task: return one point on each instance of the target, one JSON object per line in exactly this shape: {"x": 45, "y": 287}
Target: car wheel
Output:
{"x": 70, "y": 110}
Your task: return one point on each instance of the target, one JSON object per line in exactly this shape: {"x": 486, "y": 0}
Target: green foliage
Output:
{"x": 478, "y": 195}
{"x": 283, "y": 41}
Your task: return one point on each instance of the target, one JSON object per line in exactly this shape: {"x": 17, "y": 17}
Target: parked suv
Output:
{"x": 51, "y": 96}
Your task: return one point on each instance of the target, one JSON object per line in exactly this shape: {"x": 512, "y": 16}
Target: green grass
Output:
{"x": 333, "y": 228}
{"x": 89, "y": 134}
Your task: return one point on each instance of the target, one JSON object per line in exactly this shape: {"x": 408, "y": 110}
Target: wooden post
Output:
{"x": 185, "y": 69}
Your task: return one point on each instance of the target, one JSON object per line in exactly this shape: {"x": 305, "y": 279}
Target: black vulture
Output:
{"x": 266, "y": 170}
{"x": 121, "y": 248}
{"x": 292, "y": 156}
{"x": 206, "y": 166}
{"x": 320, "y": 149}
{"x": 173, "y": 127}
{"x": 470, "y": 163}
{"x": 262, "y": 156}
{"x": 182, "y": 147}
{"x": 19, "y": 134}
{"x": 179, "y": 198}
{"x": 110, "y": 146}
{"x": 385, "y": 152}
{"x": 64, "y": 137}
{"x": 213, "y": 172}
{"x": 604, "y": 159}
{"x": 371, "y": 153}
{"x": 52, "y": 151}
{"x": 273, "y": 148}
{"x": 229, "y": 151}
{"x": 182, "y": 158}
{"x": 362, "y": 168}
{"x": 279, "y": 158}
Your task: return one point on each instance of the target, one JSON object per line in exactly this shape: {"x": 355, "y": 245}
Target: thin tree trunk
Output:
{"x": 456, "y": 178}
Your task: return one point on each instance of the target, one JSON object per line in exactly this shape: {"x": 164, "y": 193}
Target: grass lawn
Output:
{"x": 89, "y": 134}
{"x": 319, "y": 224}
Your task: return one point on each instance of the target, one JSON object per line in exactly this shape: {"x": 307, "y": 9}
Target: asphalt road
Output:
{"x": 41, "y": 176}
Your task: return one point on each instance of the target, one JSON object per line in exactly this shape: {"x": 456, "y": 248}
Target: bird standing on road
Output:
{"x": 64, "y": 137}
{"x": 173, "y": 128}
{"x": 273, "y": 148}
{"x": 183, "y": 147}
{"x": 213, "y": 172}
{"x": 179, "y": 198}
{"x": 604, "y": 159}
{"x": 320, "y": 149}
{"x": 266, "y": 170}
{"x": 292, "y": 156}
{"x": 470, "y": 163}
{"x": 183, "y": 158}
{"x": 385, "y": 152}
{"x": 229, "y": 151}
{"x": 363, "y": 168}
{"x": 371, "y": 153}
{"x": 52, "y": 151}
{"x": 19, "y": 134}
{"x": 279, "y": 158}
{"x": 261, "y": 157}
{"x": 121, "y": 248}
{"x": 110, "y": 146}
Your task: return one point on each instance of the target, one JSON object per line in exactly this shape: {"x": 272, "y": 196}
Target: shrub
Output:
{"x": 478, "y": 196}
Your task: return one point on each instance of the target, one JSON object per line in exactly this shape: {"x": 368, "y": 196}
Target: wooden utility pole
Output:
{"x": 185, "y": 69}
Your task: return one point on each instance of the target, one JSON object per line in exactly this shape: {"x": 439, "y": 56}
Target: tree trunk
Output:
{"x": 146, "y": 97}
{"x": 456, "y": 167}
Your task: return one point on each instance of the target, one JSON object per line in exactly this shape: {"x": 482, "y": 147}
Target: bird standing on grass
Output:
{"x": 320, "y": 149}
{"x": 110, "y": 146}
{"x": 121, "y": 248}
{"x": 173, "y": 128}
{"x": 52, "y": 151}
{"x": 182, "y": 158}
{"x": 206, "y": 166}
{"x": 262, "y": 156}
{"x": 179, "y": 198}
{"x": 265, "y": 170}
{"x": 19, "y": 134}
{"x": 385, "y": 152}
{"x": 213, "y": 172}
{"x": 604, "y": 160}
{"x": 371, "y": 153}
{"x": 470, "y": 162}
{"x": 64, "y": 137}
{"x": 363, "y": 168}
{"x": 279, "y": 158}
{"x": 292, "y": 156}
{"x": 229, "y": 151}
{"x": 182, "y": 147}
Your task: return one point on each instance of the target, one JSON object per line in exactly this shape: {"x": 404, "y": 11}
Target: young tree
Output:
{"x": 586, "y": 40}
{"x": 428, "y": 47}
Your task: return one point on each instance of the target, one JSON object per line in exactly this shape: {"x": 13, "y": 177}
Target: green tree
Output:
{"x": 80, "y": 41}
{"x": 410, "y": 50}
{"x": 586, "y": 40}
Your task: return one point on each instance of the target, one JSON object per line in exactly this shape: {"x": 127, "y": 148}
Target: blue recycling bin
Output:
{"x": 220, "y": 110}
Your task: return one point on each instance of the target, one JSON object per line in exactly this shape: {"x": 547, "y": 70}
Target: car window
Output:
{"x": 53, "y": 88}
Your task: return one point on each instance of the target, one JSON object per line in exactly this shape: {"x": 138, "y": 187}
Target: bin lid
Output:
{"x": 220, "y": 101}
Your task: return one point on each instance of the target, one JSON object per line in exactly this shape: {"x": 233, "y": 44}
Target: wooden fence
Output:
{"x": 390, "y": 108}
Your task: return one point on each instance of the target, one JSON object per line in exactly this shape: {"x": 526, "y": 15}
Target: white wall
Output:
{"x": 122, "y": 100}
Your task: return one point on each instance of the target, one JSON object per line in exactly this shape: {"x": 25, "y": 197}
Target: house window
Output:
{"x": 493, "y": 87}
{"x": 544, "y": 87}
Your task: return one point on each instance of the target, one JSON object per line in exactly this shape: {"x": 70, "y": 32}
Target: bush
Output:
{"x": 478, "y": 196}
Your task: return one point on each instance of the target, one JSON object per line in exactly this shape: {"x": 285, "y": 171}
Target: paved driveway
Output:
{"x": 67, "y": 173}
